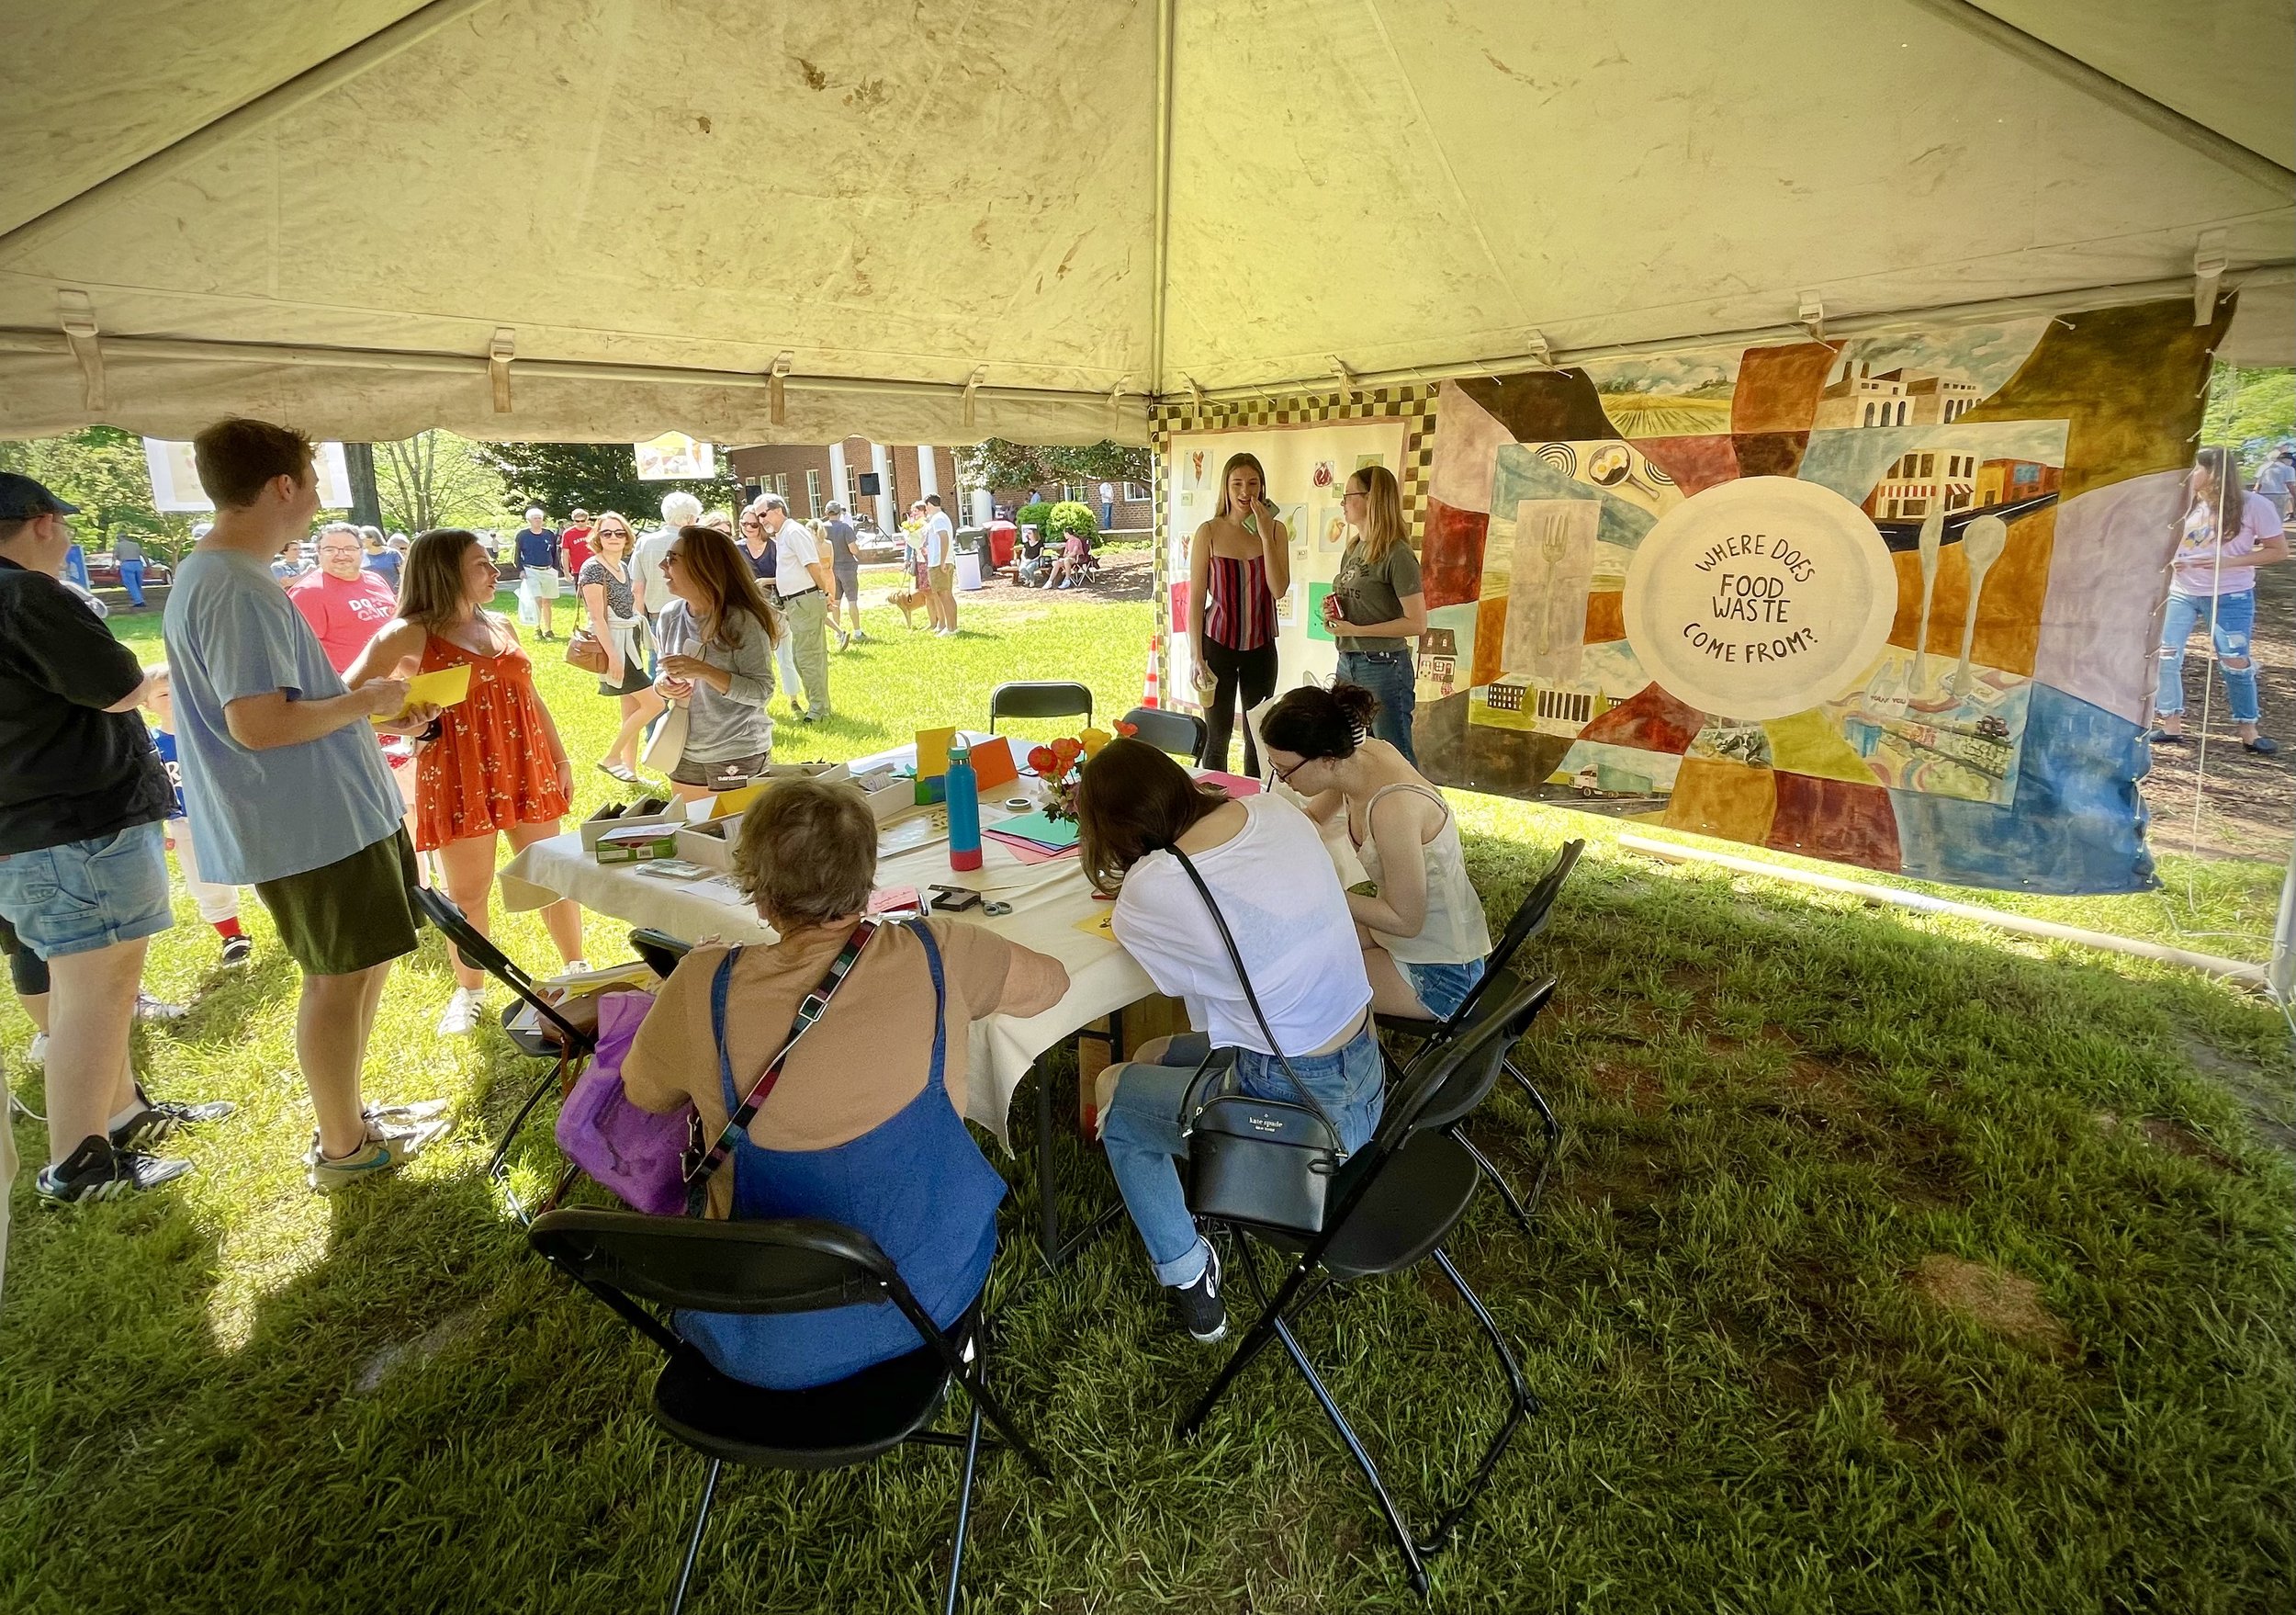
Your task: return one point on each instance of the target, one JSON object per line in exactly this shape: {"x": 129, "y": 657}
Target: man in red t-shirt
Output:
{"x": 575, "y": 540}
{"x": 344, "y": 604}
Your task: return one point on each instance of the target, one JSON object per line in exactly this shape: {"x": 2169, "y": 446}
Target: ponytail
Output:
{"x": 1313, "y": 722}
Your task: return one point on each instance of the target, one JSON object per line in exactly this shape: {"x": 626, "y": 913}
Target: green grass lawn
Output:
{"x": 1768, "y": 1384}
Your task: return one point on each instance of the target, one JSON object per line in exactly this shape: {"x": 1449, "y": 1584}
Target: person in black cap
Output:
{"x": 83, "y": 869}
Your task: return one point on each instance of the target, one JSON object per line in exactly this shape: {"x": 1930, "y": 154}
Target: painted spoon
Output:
{"x": 1932, "y": 539}
{"x": 1982, "y": 542}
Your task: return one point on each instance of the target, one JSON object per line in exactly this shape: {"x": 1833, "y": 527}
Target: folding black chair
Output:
{"x": 564, "y": 1045}
{"x": 1530, "y": 918}
{"x": 1039, "y": 698}
{"x": 1179, "y": 734}
{"x": 784, "y": 1266}
{"x": 660, "y": 950}
{"x": 1392, "y": 1205}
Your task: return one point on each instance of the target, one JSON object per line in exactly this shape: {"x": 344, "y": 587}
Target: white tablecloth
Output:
{"x": 1048, "y": 901}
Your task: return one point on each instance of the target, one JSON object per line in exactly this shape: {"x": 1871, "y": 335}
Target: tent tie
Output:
{"x": 776, "y": 388}
{"x": 77, "y": 316}
{"x": 2209, "y": 264}
{"x": 499, "y": 355}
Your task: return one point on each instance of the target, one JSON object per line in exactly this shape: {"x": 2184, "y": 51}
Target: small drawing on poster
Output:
{"x": 1317, "y": 592}
{"x": 1331, "y": 530}
{"x": 1195, "y": 468}
{"x": 1294, "y": 519}
{"x": 1288, "y": 607}
{"x": 1326, "y": 473}
{"x": 1364, "y": 461}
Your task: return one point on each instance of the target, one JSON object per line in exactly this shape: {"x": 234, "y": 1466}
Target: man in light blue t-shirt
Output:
{"x": 285, "y": 787}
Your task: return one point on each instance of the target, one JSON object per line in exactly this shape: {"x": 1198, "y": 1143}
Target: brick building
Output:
{"x": 811, "y": 477}
{"x": 1135, "y": 501}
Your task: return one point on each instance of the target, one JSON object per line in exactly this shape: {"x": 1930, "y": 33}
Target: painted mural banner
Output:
{"x": 1890, "y": 601}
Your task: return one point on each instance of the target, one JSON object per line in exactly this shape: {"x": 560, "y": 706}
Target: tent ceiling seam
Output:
{"x": 2102, "y": 86}
{"x": 274, "y": 103}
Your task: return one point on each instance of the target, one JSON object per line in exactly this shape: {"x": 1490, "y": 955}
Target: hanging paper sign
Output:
{"x": 176, "y": 478}
{"x": 675, "y": 458}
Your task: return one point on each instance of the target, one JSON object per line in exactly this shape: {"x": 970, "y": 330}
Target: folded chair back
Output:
{"x": 1039, "y": 698}
{"x": 480, "y": 954}
{"x": 782, "y": 1265}
{"x": 1530, "y": 918}
{"x": 1470, "y": 1081}
{"x": 1177, "y": 734}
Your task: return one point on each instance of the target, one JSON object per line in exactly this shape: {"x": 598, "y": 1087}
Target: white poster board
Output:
{"x": 675, "y": 458}
{"x": 176, "y": 480}
{"x": 1308, "y": 468}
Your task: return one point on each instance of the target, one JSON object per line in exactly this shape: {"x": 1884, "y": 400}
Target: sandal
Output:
{"x": 2158, "y": 737}
{"x": 2263, "y": 745}
{"x": 619, "y": 771}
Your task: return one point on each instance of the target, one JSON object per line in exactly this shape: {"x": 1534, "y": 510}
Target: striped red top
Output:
{"x": 1239, "y": 612}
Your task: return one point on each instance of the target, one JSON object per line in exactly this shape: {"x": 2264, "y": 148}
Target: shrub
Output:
{"x": 1068, "y": 517}
{"x": 1036, "y": 513}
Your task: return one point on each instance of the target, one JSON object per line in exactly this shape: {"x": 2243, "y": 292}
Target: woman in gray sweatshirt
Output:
{"x": 717, "y": 636}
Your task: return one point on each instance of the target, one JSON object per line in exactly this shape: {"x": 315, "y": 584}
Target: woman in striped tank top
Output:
{"x": 1238, "y": 564}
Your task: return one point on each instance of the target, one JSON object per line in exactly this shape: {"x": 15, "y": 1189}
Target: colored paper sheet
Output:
{"x": 1099, "y": 925}
{"x": 1052, "y": 835}
{"x": 932, "y": 752}
{"x": 1028, "y": 851}
{"x": 993, "y": 763}
{"x": 445, "y": 686}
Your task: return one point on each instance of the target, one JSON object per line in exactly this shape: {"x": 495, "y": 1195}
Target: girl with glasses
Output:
{"x": 613, "y": 593}
{"x": 1376, "y": 607}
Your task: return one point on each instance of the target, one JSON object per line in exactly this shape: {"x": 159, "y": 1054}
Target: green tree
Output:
{"x": 1001, "y": 465}
{"x": 2250, "y": 410}
{"x": 437, "y": 480}
{"x": 595, "y": 476}
{"x": 102, "y": 470}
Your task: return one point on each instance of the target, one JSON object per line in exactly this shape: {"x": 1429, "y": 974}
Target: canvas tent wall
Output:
{"x": 603, "y": 218}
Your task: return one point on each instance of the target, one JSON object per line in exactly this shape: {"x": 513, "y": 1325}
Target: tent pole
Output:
{"x": 2102, "y": 86}
{"x": 273, "y": 104}
{"x": 2280, "y": 973}
{"x": 1163, "y": 197}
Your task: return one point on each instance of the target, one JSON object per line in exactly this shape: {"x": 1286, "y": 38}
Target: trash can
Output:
{"x": 969, "y": 569}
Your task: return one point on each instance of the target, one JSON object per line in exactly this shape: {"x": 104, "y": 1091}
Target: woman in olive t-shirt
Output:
{"x": 1376, "y": 607}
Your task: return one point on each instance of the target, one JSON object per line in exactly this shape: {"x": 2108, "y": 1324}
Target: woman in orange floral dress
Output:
{"x": 496, "y": 766}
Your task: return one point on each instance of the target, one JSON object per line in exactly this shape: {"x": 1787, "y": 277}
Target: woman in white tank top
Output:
{"x": 1422, "y": 933}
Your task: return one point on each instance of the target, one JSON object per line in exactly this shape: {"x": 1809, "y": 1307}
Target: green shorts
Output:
{"x": 349, "y": 914}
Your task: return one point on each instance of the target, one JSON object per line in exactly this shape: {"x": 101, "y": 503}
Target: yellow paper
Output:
{"x": 445, "y": 686}
{"x": 725, "y": 804}
{"x": 1099, "y": 924}
{"x": 932, "y": 752}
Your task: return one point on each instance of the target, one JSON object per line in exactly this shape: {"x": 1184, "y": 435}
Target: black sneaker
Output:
{"x": 238, "y": 950}
{"x": 1202, "y": 1313}
{"x": 159, "y": 1119}
{"x": 97, "y": 1171}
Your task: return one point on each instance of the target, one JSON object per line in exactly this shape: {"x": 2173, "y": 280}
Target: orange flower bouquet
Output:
{"x": 1059, "y": 764}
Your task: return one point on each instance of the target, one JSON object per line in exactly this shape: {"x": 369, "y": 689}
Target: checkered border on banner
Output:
{"x": 1413, "y": 402}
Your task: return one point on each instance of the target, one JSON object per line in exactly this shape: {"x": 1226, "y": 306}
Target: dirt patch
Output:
{"x": 2268, "y": 1103}
{"x": 2180, "y": 1140}
{"x": 2005, "y": 1303}
{"x": 1819, "y": 1082}
{"x": 1639, "y": 1090}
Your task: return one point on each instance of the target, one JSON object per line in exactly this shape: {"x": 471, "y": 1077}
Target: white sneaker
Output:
{"x": 38, "y": 1053}
{"x": 461, "y": 1015}
{"x": 577, "y": 966}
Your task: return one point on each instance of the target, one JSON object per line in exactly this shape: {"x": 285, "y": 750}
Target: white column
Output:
{"x": 839, "y": 489}
{"x": 928, "y": 475}
{"x": 878, "y": 462}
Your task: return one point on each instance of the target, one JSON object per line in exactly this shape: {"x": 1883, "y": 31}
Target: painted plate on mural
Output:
{"x": 1759, "y": 597}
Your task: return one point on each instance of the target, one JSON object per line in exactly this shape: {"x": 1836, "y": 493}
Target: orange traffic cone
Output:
{"x": 1148, "y": 692}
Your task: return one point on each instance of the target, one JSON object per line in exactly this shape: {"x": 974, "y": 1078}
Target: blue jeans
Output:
{"x": 1144, "y": 1144}
{"x": 1441, "y": 988}
{"x": 1387, "y": 674}
{"x": 2230, "y": 624}
{"x": 82, "y": 895}
{"x": 131, "y": 580}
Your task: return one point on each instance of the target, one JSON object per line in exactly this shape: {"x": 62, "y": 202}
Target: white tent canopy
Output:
{"x": 939, "y": 220}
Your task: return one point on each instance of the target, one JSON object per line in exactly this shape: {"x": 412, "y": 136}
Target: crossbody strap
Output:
{"x": 1244, "y": 977}
{"x": 809, "y": 1011}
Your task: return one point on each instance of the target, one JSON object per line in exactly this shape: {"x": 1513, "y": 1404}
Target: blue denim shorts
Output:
{"x": 88, "y": 894}
{"x": 1441, "y": 988}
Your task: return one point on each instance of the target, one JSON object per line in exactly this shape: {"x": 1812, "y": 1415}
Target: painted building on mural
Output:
{"x": 1899, "y": 397}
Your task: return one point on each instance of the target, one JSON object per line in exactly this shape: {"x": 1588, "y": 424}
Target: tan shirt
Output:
{"x": 862, "y": 1062}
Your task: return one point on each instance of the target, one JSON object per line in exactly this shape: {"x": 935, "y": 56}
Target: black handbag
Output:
{"x": 1265, "y": 1162}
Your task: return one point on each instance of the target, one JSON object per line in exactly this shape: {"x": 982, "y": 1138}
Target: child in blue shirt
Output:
{"x": 217, "y": 905}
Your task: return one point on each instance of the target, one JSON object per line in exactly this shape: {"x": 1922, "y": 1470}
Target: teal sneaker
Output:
{"x": 389, "y": 1147}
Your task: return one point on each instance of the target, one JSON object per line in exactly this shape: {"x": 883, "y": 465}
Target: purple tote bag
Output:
{"x": 634, "y": 1152}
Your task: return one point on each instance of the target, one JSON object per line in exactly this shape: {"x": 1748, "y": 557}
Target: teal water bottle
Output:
{"x": 964, "y": 810}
